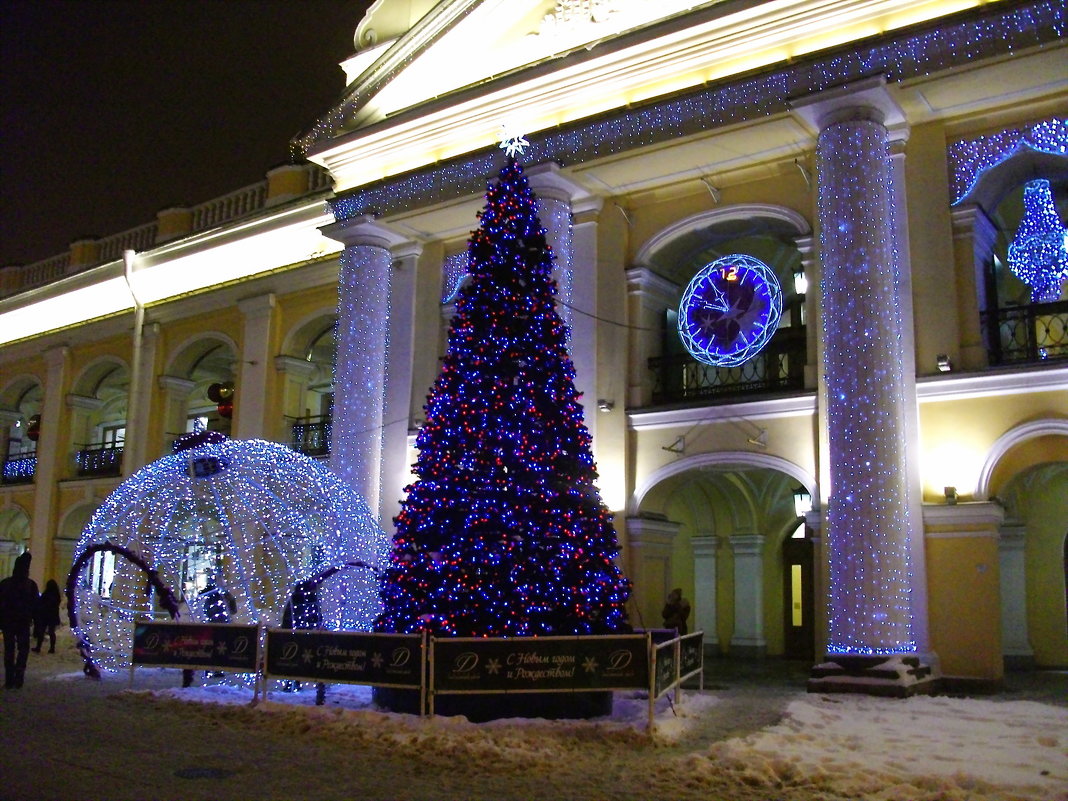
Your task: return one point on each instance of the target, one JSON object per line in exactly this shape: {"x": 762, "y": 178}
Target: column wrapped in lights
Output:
{"x": 360, "y": 366}
{"x": 869, "y": 528}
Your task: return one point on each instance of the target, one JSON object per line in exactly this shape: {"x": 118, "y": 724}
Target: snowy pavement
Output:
{"x": 68, "y": 738}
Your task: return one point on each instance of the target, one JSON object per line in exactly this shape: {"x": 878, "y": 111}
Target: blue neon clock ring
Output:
{"x": 730, "y": 310}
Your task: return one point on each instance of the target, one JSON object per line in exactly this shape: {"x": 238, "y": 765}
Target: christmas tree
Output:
{"x": 504, "y": 533}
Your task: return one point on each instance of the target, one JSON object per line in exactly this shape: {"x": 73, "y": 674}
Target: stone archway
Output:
{"x": 714, "y": 524}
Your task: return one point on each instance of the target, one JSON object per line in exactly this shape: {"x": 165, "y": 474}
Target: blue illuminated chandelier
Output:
{"x": 1038, "y": 255}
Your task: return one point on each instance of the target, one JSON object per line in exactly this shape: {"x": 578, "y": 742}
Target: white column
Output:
{"x": 176, "y": 393}
{"x": 139, "y": 404}
{"x": 396, "y": 467}
{"x": 50, "y": 453}
{"x": 748, "y": 638}
{"x": 1015, "y": 638}
{"x": 704, "y": 586}
{"x": 874, "y": 541}
{"x": 361, "y": 341}
{"x": 251, "y": 392}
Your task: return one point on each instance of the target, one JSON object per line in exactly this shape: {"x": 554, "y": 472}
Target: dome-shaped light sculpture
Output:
{"x": 243, "y": 520}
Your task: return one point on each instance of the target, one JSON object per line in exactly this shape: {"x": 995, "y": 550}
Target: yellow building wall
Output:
{"x": 965, "y": 612}
{"x": 956, "y": 436}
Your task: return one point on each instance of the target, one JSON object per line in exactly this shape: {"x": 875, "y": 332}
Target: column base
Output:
{"x": 888, "y": 676}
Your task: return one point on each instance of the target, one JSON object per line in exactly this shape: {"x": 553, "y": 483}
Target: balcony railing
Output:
{"x": 1027, "y": 334}
{"x": 311, "y": 436}
{"x": 778, "y": 368}
{"x": 20, "y": 468}
{"x": 98, "y": 460}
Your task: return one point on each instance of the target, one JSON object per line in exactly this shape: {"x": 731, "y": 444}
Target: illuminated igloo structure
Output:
{"x": 247, "y": 518}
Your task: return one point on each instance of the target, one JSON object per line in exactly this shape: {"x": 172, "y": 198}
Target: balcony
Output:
{"x": 311, "y": 436}
{"x": 19, "y": 468}
{"x": 778, "y": 368}
{"x": 1027, "y": 334}
{"x": 98, "y": 460}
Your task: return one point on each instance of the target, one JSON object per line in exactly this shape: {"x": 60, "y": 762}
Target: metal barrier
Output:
{"x": 432, "y": 665}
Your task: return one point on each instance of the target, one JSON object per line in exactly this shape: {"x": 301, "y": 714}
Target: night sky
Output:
{"x": 114, "y": 109}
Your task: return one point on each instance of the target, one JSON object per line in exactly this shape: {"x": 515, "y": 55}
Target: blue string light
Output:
{"x": 899, "y": 57}
{"x": 504, "y": 532}
{"x": 248, "y": 517}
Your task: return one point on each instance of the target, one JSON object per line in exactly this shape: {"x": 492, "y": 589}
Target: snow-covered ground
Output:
{"x": 66, "y": 737}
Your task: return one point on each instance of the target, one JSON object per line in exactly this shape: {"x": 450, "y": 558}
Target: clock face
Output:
{"x": 730, "y": 310}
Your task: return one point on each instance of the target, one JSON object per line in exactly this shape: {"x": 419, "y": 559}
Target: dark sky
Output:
{"x": 111, "y": 110}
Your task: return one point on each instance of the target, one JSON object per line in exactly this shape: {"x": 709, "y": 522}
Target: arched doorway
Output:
{"x": 718, "y": 527}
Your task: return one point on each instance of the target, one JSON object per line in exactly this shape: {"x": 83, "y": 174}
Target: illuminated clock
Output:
{"x": 730, "y": 310}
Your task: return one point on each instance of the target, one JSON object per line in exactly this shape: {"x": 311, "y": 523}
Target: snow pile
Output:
{"x": 853, "y": 746}
{"x": 750, "y": 742}
{"x": 908, "y": 749}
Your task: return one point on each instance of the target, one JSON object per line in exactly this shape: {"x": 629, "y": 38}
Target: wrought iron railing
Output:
{"x": 778, "y": 368}
{"x": 98, "y": 460}
{"x": 1027, "y": 334}
{"x": 311, "y": 436}
{"x": 20, "y": 468}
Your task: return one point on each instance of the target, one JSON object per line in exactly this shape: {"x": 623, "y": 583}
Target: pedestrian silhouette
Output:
{"x": 46, "y": 617}
{"x": 18, "y": 599}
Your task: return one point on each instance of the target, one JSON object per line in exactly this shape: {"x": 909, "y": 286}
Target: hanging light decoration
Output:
{"x": 1037, "y": 255}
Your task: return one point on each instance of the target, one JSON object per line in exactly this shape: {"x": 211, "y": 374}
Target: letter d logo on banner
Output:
{"x": 465, "y": 662}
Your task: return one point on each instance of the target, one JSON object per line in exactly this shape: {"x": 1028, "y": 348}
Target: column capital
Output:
{"x": 751, "y": 544}
{"x": 549, "y": 183}
{"x": 294, "y": 365}
{"x": 83, "y": 402}
{"x": 365, "y": 230}
{"x": 56, "y": 356}
{"x": 972, "y": 221}
{"x": 180, "y": 387}
{"x": 1012, "y": 536}
{"x": 704, "y": 545}
{"x": 259, "y": 304}
{"x": 642, "y": 531}
{"x": 868, "y": 99}
{"x": 653, "y": 289}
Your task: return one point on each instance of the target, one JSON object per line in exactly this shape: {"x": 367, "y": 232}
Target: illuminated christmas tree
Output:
{"x": 504, "y": 533}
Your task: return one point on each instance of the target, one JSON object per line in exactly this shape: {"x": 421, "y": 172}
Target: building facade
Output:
{"x": 884, "y": 473}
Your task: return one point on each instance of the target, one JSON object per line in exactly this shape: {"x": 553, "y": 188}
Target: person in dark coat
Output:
{"x": 676, "y": 611}
{"x": 46, "y": 617}
{"x": 18, "y": 599}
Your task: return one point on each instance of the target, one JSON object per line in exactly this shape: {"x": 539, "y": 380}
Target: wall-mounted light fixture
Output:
{"x": 800, "y": 280}
{"x": 944, "y": 364}
{"x": 802, "y": 501}
{"x": 605, "y": 405}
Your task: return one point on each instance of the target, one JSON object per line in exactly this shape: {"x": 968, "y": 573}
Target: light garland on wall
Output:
{"x": 869, "y": 528}
{"x": 1037, "y": 254}
{"x": 1004, "y": 30}
{"x": 970, "y": 158}
{"x": 248, "y": 517}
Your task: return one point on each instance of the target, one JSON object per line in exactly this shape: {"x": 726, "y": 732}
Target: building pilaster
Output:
{"x": 50, "y": 453}
{"x": 252, "y": 389}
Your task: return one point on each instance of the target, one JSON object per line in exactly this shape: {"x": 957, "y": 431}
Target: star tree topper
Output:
{"x": 513, "y": 142}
